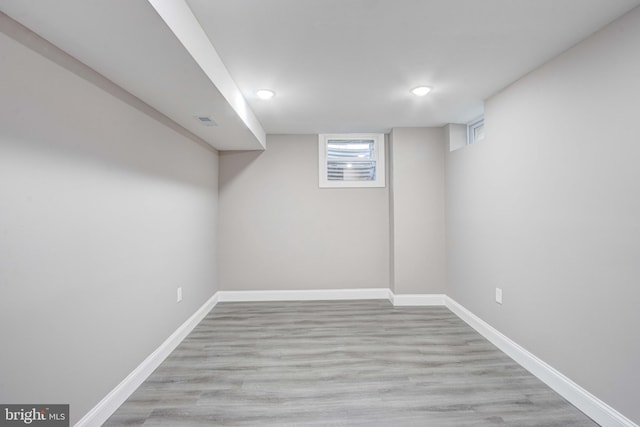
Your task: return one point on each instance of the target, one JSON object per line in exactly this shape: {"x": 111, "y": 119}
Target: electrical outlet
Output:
{"x": 179, "y": 294}
{"x": 499, "y": 295}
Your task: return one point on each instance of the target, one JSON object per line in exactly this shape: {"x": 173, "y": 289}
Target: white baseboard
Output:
{"x": 305, "y": 295}
{"x": 112, "y": 401}
{"x": 334, "y": 294}
{"x": 595, "y": 408}
{"x": 403, "y": 300}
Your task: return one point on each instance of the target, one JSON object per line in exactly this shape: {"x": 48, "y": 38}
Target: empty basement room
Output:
{"x": 319, "y": 213}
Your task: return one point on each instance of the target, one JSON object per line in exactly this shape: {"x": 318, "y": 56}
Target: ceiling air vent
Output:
{"x": 206, "y": 121}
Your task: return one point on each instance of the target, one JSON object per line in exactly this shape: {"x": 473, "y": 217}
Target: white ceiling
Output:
{"x": 335, "y": 65}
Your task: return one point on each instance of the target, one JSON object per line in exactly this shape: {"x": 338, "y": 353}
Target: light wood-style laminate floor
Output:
{"x": 340, "y": 363}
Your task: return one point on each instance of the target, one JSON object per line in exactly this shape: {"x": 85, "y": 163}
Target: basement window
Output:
{"x": 475, "y": 130}
{"x": 351, "y": 160}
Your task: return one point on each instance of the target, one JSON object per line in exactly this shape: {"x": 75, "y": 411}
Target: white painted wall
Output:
{"x": 547, "y": 207}
{"x": 417, "y": 159}
{"x": 104, "y": 212}
{"x": 279, "y": 230}
{"x": 456, "y": 136}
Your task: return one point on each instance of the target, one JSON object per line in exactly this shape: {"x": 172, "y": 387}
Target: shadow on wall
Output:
{"x": 37, "y": 44}
{"x": 235, "y": 162}
{"x": 48, "y": 117}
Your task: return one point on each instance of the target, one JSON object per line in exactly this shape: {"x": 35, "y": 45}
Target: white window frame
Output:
{"x": 378, "y": 157}
{"x": 471, "y": 127}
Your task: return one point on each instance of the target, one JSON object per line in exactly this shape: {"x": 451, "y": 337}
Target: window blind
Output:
{"x": 351, "y": 160}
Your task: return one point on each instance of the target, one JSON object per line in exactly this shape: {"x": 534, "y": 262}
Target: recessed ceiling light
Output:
{"x": 265, "y": 94}
{"x": 421, "y": 90}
